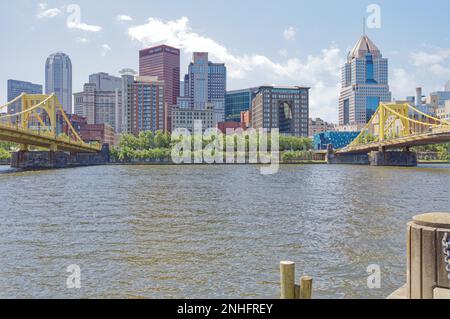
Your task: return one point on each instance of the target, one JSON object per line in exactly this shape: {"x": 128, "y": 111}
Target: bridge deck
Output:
{"x": 408, "y": 141}
{"x": 19, "y": 135}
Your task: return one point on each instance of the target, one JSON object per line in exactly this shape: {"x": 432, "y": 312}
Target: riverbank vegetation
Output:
{"x": 297, "y": 155}
{"x": 5, "y": 150}
{"x": 440, "y": 152}
{"x": 158, "y": 146}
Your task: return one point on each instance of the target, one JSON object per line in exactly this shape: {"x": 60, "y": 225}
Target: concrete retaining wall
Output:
{"x": 5, "y": 161}
{"x": 348, "y": 159}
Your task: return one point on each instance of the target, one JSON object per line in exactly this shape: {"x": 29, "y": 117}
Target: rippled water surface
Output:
{"x": 209, "y": 231}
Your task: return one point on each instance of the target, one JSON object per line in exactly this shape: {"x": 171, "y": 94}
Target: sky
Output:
{"x": 291, "y": 42}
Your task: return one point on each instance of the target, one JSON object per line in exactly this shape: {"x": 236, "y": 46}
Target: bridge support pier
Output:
{"x": 39, "y": 160}
{"x": 392, "y": 158}
{"x": 52, "y": 160}
{"x": 382, "y": 157}
{"x": 24, "y": 147}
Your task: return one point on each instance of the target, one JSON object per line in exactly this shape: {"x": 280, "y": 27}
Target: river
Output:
{"x": 209, "y": 231}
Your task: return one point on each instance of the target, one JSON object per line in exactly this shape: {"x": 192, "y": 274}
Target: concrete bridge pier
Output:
{"x": 56, "y": 159}
{"x": 39, "y": 160}
{"x": 382, "y": 157}
{"x": 404, "y": 158}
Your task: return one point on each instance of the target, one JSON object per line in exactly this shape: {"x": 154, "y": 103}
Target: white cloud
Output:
{"x": 82, "y": 40}
{"x": 402, "y": 83}
{"x": 124, "y": 18}
{"x": 105, "y": 50}
{"x": 436, "y": 61}
{"x": 83, "y": 26}
{"x": 290, "y": 34}
{"x": 43, "y": 12}
{"x": 322, "y": 71}
{"x": 431, "y": 65}
{"x": 440, "y": 70}
{"x": 422, "y": 58}
{"x": 284, "y": 53}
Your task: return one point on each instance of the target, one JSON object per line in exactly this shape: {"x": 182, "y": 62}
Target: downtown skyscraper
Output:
{"x": 16, "y": 88}
{"x": 206, "y": 82}
{"x": 163, "y": 62}
{"x": 143, "y": 103}
{"x": 364, "y": 83}
{"x": 58, "y": 79}
{"x": 100, "y": 102}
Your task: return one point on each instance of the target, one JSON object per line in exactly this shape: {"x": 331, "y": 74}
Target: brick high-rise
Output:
{"x": 164, "y": 62}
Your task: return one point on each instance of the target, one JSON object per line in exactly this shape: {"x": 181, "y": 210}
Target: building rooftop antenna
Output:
{"x": 364, "y": 26}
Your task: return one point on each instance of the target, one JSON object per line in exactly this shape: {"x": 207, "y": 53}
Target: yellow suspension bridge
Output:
{"x": 36, "y": 125}
{"x": 399, "y": 126}
{"x": 388, "y": 136}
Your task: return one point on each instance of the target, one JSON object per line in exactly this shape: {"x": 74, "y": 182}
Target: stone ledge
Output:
{"x": 399, "y": 294}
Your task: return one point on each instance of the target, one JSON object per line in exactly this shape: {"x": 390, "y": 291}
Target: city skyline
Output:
{"x": 300, "y": 51}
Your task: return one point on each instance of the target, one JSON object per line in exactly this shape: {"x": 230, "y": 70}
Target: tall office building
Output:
{"x": 438, "y": 99}
{"x": 163, "y": 62}
{"x": 105, "y": 82}
{"x": 184, "y": 118}
{"x": 58, "y": 79}
{"x": 364, "y": 83}
{"x": 144, "y": 103}
{"x": 284, "y": 108}
{"x": 16, "y": 88}
{"x": 101, "y": 101}
{"x": 186, "y": 86}
{"x": 181, "y": 89}
{"x": 236, "y": 102}
{"x": 198, "y": 80}
{"x": 206, "y": 82}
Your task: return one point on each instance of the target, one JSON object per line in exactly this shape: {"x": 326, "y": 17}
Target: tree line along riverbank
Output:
{"x": 158, "y": 146}
{"x": 151, "y": 147}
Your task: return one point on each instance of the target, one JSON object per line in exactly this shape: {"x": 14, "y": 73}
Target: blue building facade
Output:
{"x": 337, "y": 139}
{"x": 238, "y": 101}
{"x": 15, "y": 88}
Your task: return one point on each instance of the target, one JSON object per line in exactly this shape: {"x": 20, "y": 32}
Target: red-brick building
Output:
{"x": 223, "y": 126}
{"x": 164, "y": 62}
{"x": 246, "y": 119}
{"x": 101, "y": 133}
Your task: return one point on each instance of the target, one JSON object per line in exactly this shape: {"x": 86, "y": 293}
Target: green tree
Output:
{"x": 4, "y": 154}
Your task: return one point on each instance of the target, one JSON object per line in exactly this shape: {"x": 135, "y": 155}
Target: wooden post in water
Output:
{"x": 427, "y": 275}
{"x": 287, "y": 280}
{"x": 306, "y": 287}
{"x": 289, "y": 290}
